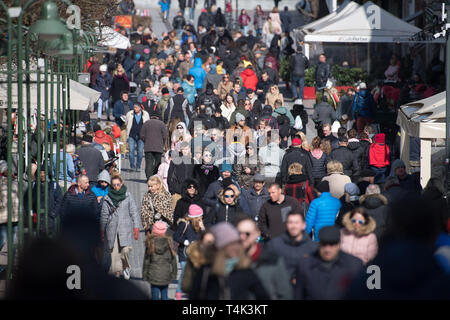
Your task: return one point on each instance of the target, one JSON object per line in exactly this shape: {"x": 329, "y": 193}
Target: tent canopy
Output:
{"x": 424, "y": 118}
{"x": 81, "y": 97}
{"x": 111, "y": 38}
{"x": 362, "y": 24}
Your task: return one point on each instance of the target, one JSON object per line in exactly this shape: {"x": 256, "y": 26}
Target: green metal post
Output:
{"x": 28, "y": 96}
{"x": 39, "y": 150}
{"x": 20, "y": 130}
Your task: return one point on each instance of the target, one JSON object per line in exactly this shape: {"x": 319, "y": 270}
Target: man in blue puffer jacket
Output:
{"x": 199, "y": 74}
{"x": 363, "y": 108}
{"x": 322, "y": 210}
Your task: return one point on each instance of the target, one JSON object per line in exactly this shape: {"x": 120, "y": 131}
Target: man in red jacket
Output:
{"x": 249, "y": 78}
{"x": 379, "y": 157}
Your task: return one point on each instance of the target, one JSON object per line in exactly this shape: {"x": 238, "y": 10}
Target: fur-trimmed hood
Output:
{"x": 363, "y": 231}
{"x": 222, "y": 198}
{"x": 373, "y": 201}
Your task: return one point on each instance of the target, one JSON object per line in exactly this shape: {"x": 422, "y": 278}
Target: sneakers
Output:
{"x": 126, "y": 274}
{"x": 178, "y": 295}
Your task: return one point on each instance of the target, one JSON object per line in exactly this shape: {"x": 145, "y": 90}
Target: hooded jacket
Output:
{"x": 160, "y": 267}
{"x": 360, "y": 243}
{"x": 324, "y": 113}
{"x": 272, "y": 97}
{"x": 204, "y": 179}
{"x": 182, "y": 206}
{"x": 283, "y": 111}
{"x": 198, "y": 72}
{"x": 376, "y": 207}
{"x": 249, "y": 79}
{"x": 189, "y": 91}
{"x": 348, "y": 160}
{"x": 227, "y": 213}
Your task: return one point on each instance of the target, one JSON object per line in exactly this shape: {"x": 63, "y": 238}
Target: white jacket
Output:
{"x": 129, "y": 120}
{"x": 271, "y": 157}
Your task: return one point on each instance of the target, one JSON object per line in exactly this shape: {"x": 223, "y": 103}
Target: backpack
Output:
{"x": 271, "y": 122}
{"x": 284, "y": 125}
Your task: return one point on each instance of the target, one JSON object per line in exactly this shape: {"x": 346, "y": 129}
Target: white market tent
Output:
{"x": 81, "y": 97}
{"x": 424, "y": 119}
{"x": 111, "y": 38}
{"x": 361, "y": 24}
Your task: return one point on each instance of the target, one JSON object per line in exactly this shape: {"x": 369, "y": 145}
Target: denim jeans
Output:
{"x": 183, "y": 265}
{"x": 244, "y": 30}
{"x": 380, "y": 174}
{"x": 301, "y": 83}
{"x": 159, "y": 292}
{"x": 258, "y": 32}
{"x": 4, "y": 238}
{"x": 100, "y": 107}
{"x": 133, "y": 144}
{"x": 191, "y": 13}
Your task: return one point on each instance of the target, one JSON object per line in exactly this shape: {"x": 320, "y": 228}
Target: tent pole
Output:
{"x": 425, "y": 161}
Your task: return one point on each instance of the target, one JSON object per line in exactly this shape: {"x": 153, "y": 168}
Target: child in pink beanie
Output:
{"x": 160, "y": 262}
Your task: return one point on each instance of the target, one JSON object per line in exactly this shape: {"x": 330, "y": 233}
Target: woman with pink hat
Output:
{"x": 189, "y": 229}
{"x": 160, "y": 262}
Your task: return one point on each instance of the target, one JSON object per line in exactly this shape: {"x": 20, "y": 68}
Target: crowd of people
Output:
{"x": 236, "y": 193}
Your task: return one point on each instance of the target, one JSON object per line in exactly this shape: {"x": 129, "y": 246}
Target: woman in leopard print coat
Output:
{"x": 156, "y": 204}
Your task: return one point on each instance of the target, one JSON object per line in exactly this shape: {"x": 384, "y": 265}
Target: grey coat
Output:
{"x": 324, "y": 113}
{"x": 119, "y": 222}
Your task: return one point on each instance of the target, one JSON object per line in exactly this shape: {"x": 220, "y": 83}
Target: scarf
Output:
{"x": 138, "y": 117}
{"x": 207, "y": 168}
{"x": 117, "y": 196}
{"x": 230, "y": 264}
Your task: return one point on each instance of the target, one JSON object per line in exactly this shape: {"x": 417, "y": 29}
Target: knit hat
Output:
{"x": 323, "y": 186}
{"x": 380, "y": 138}
{"x": 227, "y": 182}
{"x": 165, "y": 90}
{"x": 159, "y": 228}
{"x": 397, "y": 164}
{"x": 195, "y": 211}
{"x": 226, "y": 167}
{"x": 352, "y": 189}
{"x": 104, "y": 68}
{"x": 362, "y": 85}
{"x": 224, "y": 234}
{"x": 296, "y": 142}
{"x": 239, "y": 117}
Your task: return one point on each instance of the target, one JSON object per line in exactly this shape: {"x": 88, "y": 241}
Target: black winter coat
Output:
{"x": 177, "y": 174}
{"x": 292, "y": 250}
{"x": 254, "y": 200}
{"x": 319, "y": 166}
{"x": 299, "y": 110}
{"x": 178, "y": 22}
{"x": 299, "y": 63}
{"x": 178, "y": 107}
{"x": 241, "y": 284}
{"x": 227, "y": 213}
{"x": 203, "y": 179}
{"x": 348, "y": 160}
{"x": 358, "y": 152}
{"x": 323, "y": 72}
{"x": 118, "y": 85}
{"x": 73, "y": 204}
{"x": 376, "y": 207}
{"x": 299, "y": 155}
{"x": 182, "y": 234}
{"x": 317, "y": 282}
{"x": 365, "y": 146}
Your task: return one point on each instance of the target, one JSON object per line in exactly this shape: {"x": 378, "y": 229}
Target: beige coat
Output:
{"x": 129, "y": 119}
{"x": 337, "y": 183}
{"x": 223, "y": 89}
{"x": 272, "y": 97}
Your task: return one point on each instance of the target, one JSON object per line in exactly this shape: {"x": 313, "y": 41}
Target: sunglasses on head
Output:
{"x": 358, "y": 221}
{"x": 229, "y": 196}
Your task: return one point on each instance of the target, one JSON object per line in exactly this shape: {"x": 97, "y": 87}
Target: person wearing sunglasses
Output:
{"x": 225, "y": 86}
{"x": 227, "y": 209}
{"x": 119, "y": 222}
{"x": 206, "y": 172}
{"x": 357, "y": 236}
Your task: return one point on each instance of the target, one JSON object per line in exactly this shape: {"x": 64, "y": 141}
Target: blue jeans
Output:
{"x": 380, "y": 174}
{"x": 159, "y": 292}
{"x": 244, "y": 30}
{"x": 100, "y": 107}
{"x": 140, "y": 152}
{"x": 258, "y": 32}
{"x": 301, "y": 83}
{"x": 4, "y": 238}
{"x": 183, "y": 265}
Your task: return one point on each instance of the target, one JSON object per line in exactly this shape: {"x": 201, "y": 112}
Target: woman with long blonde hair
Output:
{"x": 156, "y": 204}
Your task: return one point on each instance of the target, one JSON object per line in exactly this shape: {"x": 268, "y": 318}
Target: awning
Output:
{"x": 80, "y": 96}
